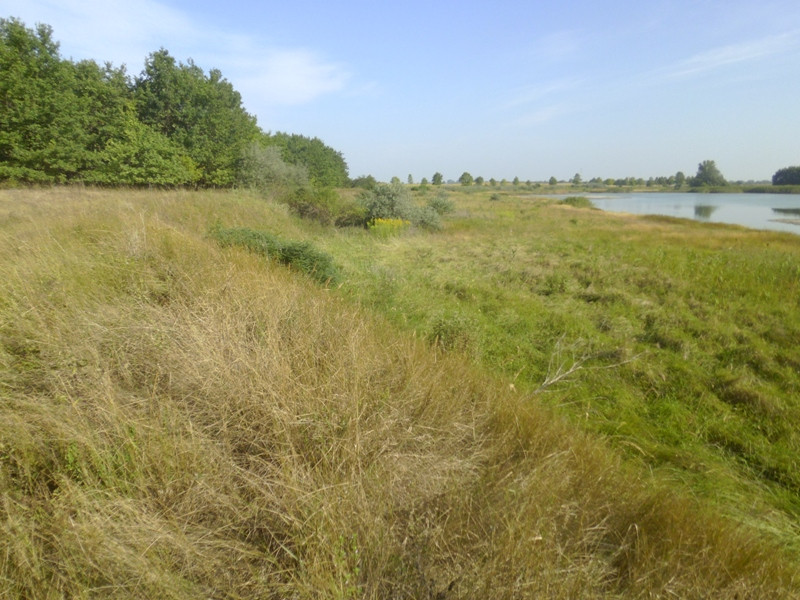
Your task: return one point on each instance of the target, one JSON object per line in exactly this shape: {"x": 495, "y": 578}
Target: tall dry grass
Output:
{"x": 184, "y": 421}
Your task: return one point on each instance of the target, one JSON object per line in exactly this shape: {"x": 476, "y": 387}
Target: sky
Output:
{"x": 500, "y": 89}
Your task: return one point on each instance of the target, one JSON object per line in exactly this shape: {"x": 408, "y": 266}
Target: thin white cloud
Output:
{"x": 542, "y": 115}
{"x": 126, "y": 32}
{"x": 119, "y": 32}
{"x": 534, "y": 93}
{"x": 287, "y": 77}
{"x": 732, "y": 54}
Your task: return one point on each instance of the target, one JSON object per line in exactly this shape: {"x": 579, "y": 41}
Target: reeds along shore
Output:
{"x": 183, "y": 420}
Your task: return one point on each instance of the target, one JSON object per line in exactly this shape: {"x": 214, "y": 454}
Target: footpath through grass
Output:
{"x": 186, "y": 417}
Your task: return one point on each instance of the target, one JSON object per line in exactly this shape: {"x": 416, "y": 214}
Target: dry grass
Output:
{"x": 182, "y": 421}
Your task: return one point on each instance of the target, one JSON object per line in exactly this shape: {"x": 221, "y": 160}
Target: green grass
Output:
{"x": 302, "y": 256}
{"x": 472, "y": 413}
{"x": 685, "y": 337}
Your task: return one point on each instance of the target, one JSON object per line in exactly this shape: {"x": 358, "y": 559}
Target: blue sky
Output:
{"x": 500, "y": 89}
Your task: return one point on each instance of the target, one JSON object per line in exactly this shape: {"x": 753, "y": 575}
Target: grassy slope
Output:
{"x": 181, "y": 420}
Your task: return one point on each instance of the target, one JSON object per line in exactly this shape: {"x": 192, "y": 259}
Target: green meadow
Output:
{"x": 204, "y": 395}
{"x": 675, "y": 342}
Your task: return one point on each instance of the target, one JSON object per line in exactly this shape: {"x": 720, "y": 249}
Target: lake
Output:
{"x": 777, "y": 212}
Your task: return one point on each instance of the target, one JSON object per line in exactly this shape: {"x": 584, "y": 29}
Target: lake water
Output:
{"x": 777, "y": 212}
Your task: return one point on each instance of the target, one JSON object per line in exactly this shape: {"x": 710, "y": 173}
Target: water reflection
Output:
{"x": 788, "y": 211}
{"x": 777, "y": 212}
{"x": 704, "y": 211}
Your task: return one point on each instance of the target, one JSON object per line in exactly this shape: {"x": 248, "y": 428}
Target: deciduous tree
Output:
{"x": 708, "y": 175}
{"x": 41, "y": 133}
{"x": 143, "y": 156}
{"x": 787, "y": 176}
{"x": 203, "y": 114}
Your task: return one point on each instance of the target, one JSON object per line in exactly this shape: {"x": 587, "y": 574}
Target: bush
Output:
{"x": 441, "y": 203}
{"x": 325, "y": 206}
{"x": 264, "y": 170}
{"x": 577, "y": 202}
{"x": 387, "y": 201}
{"x": 366, "y": 182}
{"x": 302, "y": 256}
{"x": 350, "y": 214}
{"x": 393, "y": 201}
{"x": 427, "y": 218}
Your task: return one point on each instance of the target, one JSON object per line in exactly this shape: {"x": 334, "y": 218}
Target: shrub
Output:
{"x": 393, "y": 201}
{"x": 366, "y": 182}
{"x": 387, "y": 201}
{"x": 302, "y": 256}
{"x": 264, "y": 170}
{"x": 326, "y": 206}
{"x": 427, "y": 218}
{"x": 441, "y": 203}
{"x": 350, "y": 214}
{"x": 577, "y": 202}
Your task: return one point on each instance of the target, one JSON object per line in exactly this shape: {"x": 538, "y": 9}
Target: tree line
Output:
{"x": 171, "y": 125}
{"x": 708, "y": 176}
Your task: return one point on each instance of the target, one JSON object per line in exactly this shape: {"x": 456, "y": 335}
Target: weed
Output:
{"x": 577, "y": 202}
{"x": 301, "y": 255}
{"x": 441, "y": 203}
{"x": 451, "y": 331}
{"x": 385, "y": 228}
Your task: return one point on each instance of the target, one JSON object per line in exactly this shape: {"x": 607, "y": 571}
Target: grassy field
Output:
{"x": 536, "y": 401}
{"x": 677, "y": 342}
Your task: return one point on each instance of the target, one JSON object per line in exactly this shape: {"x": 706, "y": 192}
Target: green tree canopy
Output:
{"x": 465, "y": 179}
{"x": 143, "y": 156}
{"x": 42, "y": 138}
{"x": 787, "y": 176}
{"x": 708, "y": 175}
{"x": 61, "y": 122}
{"x": 438, "y": 178}
{"x": 203, "y": 114}
{"x": 105, "y": 108}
